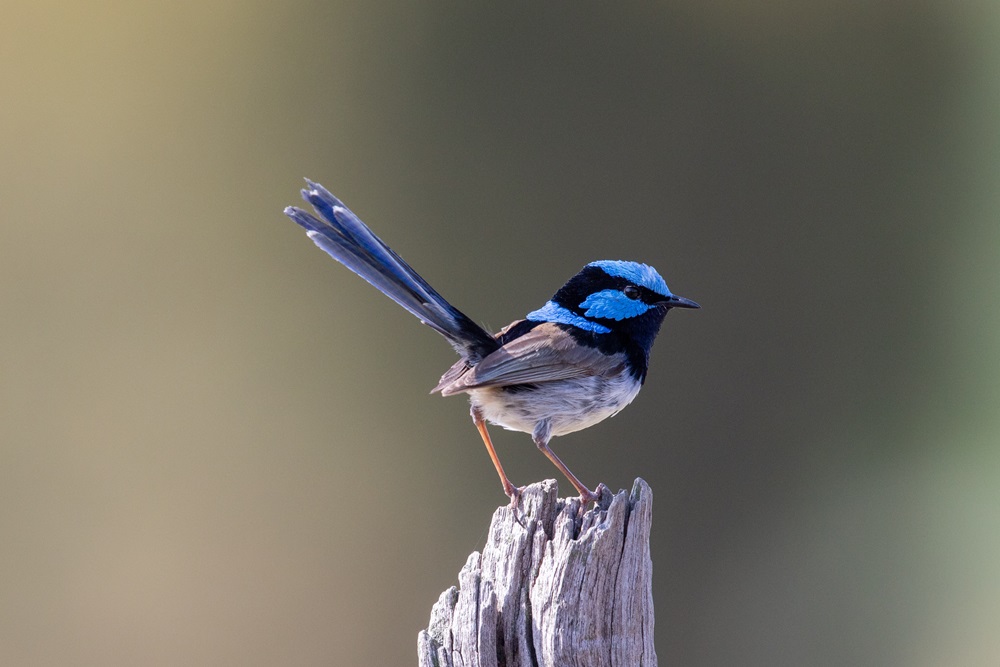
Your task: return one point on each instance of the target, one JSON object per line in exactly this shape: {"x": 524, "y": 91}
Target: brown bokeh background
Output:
{"x": 217, "y": 447}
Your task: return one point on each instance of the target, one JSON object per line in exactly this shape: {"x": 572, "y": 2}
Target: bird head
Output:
{"x": 607, "y": 296}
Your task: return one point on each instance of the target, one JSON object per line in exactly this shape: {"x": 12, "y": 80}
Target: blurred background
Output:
{"x": 217, "y": 445}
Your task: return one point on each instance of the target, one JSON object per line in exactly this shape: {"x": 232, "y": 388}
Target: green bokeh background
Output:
{"x": 217, "y": 447}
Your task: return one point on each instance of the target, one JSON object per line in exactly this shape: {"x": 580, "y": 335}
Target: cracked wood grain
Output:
{"x": 552, "y": 590}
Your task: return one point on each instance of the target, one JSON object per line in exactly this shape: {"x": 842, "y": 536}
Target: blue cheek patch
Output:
{"x": 612, "y": 304}
{"x": 553, "y": 312}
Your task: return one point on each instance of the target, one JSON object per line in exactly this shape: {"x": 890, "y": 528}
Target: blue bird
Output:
{"x": 572, "y": 363}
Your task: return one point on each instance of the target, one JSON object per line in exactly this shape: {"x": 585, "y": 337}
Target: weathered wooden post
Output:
{"x": 552, "y": 590}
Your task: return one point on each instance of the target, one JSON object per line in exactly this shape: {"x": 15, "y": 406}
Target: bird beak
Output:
{"x": 679, "y": 302}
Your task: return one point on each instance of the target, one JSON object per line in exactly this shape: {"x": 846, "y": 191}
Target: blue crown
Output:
{"x": 634, "y": 272}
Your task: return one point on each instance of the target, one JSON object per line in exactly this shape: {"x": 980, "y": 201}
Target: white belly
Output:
{"x": 570, "y": 405}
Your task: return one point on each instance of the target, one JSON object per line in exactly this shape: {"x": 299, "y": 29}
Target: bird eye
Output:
{"x": 631, "y": 291}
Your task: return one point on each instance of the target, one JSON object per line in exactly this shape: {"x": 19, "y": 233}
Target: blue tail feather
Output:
{"x": 343, "y": 236}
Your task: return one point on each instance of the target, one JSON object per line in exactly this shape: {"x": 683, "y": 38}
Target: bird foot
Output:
{"x": 514, "y": 493}
{"x": 587, "y": 496}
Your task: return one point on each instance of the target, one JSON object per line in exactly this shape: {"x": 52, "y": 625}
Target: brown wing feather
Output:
{"x": 544, "y": 354}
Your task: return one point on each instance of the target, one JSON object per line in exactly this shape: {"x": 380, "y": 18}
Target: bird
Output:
{"x": 576, "y": 361}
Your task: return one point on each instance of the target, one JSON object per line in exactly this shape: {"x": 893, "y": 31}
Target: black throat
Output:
{"x": 632, "y": 337}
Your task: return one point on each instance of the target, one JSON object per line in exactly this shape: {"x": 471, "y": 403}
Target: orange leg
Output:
{"x": 512, "y": 491}
{"x": 586, "y": 495}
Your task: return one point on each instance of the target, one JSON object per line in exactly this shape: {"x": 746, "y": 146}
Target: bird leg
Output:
{"x": 541, "y": 436}
{"x": 513, "y": 492}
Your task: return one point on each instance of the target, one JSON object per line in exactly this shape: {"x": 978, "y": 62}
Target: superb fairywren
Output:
{"x": 575, "y": 361}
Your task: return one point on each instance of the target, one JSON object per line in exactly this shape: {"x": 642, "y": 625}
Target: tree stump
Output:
{"x": 552, "y": 588}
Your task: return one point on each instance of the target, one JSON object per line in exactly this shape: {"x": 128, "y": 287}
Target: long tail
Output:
{"x": 343, "y": 236}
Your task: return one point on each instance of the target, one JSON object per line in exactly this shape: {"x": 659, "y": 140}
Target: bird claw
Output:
{"x": 587, "y": 496}
{"x": 514, "y": 493}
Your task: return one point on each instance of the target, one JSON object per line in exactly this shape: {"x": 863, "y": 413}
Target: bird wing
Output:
{"x": 545, "y": 354}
